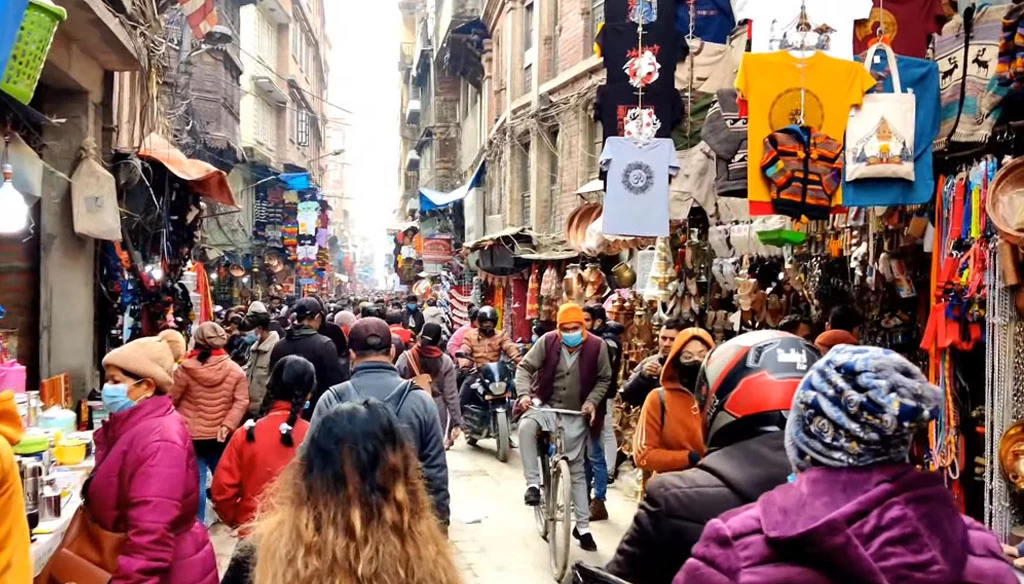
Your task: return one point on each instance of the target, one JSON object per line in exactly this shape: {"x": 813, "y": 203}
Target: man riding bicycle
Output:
{"x": 566, "y": 369}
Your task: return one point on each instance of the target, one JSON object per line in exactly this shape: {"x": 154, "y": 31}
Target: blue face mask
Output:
{"x": 115, "y": 397}
{"x": 250, "y": 337}
{"x": 411, "y": 306}
{"x": 572, "y": 340}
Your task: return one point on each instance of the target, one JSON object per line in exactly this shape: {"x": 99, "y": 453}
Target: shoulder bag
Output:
{"x": 88, "y": 553}
{"x": 880, "y": 135}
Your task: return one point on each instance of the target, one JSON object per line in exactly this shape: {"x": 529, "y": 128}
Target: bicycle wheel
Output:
{"x": 560, "y": 511}
{"x": 540, "y": 512}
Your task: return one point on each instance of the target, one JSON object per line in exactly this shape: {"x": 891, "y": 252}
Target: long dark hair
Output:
{"x": 291, "y": 380}
{"x": 342, "y": 508}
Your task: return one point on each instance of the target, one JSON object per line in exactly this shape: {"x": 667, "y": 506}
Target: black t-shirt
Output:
{"x": 621, "y": 42}
{"x": 619, "y": 12}
{"x": 614, "y": 101}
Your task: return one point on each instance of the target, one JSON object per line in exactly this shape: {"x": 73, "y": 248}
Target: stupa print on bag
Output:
{"x": 884, "y": 145}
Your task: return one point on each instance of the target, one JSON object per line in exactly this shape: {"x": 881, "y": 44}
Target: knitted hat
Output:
{"x": 858, "y": 406}
{"x": 257, "y": 307}
{"x": 210, "y": 335}
{"x": 150, "y": 357}
{"x": 570, "y": 313}
{"x": 345, "y": 319}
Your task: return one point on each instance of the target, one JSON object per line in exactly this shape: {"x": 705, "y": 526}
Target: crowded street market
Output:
{"x": 584, "y": 292}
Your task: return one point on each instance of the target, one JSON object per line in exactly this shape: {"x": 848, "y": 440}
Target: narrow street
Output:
{"x": 492, "y": 532}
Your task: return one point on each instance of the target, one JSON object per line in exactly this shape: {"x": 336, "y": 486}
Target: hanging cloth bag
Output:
{"x": 94, "y": 198}
{"x": 880, "y": 135}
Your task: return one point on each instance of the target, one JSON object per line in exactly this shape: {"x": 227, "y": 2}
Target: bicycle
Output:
{"x": 555, "y": 509}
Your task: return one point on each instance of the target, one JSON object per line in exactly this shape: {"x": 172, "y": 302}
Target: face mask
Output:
{"x": 487, "y": 332}
{"x": 688, "y": 373}
{"x": 411, "y": 306}
{"x": 115, "y": 397}
{"x": 251, "y": 337}
{"x": 572, "y": 340}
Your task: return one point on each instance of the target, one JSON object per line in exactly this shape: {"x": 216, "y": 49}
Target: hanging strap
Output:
{"x": 894, "y": 70}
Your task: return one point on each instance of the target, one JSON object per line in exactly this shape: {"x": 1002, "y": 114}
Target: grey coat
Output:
{"x": 444, "y": 388}
{"x": 257, "y": 370}
{"x": 417, "y": 414}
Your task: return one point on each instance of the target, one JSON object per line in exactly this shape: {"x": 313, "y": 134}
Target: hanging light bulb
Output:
{"x": 13, "y": 210}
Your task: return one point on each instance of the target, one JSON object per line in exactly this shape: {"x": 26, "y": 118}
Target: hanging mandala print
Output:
{"x": 638, "y": 177}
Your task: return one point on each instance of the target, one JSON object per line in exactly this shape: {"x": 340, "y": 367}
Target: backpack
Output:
{"x": 346, "y": 392}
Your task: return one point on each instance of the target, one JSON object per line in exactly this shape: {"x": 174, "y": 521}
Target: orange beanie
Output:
{"x": 570, "y": 312}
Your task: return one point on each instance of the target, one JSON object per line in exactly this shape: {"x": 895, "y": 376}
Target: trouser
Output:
{"x": 600, "y": 456}
{"x": 529, "y": 429}
{"x": 208, "y": 453}
{"x": 467, "y": 394}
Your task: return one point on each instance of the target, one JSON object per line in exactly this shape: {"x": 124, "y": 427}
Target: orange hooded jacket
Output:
{"x": 15, "y": 559}
{"x": 668, "y": 448}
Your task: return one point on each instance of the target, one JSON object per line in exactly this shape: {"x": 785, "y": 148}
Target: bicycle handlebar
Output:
{"x": 558, "y": 411}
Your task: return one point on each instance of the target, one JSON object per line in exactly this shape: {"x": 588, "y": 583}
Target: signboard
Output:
{"x": 437, "y": 249}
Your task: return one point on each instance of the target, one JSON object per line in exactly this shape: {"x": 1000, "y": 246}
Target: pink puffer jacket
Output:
{"x": 145, "y": 485}
{"x": 210, "y": 395}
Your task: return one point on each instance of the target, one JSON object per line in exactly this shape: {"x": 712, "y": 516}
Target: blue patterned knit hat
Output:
{"x": 858, "y": 406}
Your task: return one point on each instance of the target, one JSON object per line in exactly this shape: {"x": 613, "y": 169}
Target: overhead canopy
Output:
{"x": 431, "y": 200}
{"x": 490, "y": 239}
{"x": 594, "y": 186}
{"x": 296, "y": 181}
{"x": 205, "y": 179}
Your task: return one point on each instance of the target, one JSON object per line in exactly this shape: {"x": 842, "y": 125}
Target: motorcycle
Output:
{"x": 490, "y": 416}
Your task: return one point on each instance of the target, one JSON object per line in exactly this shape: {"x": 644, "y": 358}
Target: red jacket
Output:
{"x": 246, "y": 468}
{"x": 403, "y": 333}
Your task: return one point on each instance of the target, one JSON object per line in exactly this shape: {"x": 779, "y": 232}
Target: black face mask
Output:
{"x": 487, "y": 332}
{"x": 688, "y": 373}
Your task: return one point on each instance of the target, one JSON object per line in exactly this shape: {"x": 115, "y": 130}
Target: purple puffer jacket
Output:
{"x": 884, "y": 524}
{"x": 146, "y": 484}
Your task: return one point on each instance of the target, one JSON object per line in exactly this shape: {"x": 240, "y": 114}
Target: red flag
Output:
{"x": 201, "y": 16}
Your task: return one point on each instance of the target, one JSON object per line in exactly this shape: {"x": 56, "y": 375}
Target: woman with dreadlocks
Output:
{"x": 350, "y": 508}
{"x": 259, "y": 450}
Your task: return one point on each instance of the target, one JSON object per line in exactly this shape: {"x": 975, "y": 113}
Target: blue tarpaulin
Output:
{"x": 296, "y": 181}
{"x": 431, "y": 200}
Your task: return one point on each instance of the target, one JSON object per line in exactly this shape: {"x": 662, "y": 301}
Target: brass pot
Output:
{"x": 1011, "y": 454}
{"x": 625, "y": 276}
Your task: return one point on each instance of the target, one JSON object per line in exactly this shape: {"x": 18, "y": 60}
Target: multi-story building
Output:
{"x": 509, "y": 84}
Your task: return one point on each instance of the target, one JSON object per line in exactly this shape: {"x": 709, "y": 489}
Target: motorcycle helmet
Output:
{"x": 487, "y": 314}
{"x": 746, "y": 385}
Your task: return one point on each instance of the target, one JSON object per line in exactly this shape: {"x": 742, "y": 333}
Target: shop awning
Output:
{"x": 594, "y": 186}
{"x": 488, "y": 240}
{"x": 205, "y": 179}
{"x": 296, "y": 181}
{"x": 431, "y": 200}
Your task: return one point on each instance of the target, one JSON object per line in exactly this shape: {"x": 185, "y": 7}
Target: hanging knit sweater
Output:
{"x": 968, "y": 68}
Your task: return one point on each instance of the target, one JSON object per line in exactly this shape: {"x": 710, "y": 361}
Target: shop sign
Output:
{"x": 437, "y": 250}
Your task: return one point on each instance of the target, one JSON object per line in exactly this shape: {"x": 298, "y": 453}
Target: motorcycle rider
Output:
{"x": 483, "y": 345}
{"x": 566, "y": 369}
{"x": 746, "y": 386}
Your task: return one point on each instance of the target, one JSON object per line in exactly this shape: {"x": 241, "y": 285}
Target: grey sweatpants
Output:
{"x": 576, "y": 434}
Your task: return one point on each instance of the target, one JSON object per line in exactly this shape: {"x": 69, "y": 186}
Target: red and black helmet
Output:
{"x": 746, "y": 385}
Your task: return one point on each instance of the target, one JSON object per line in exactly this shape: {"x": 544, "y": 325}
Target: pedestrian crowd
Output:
{"x": 321, "y": 430}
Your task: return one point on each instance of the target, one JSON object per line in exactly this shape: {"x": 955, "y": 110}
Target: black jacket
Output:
{"x": 611, "y": 333}
{"x": 636, "y": 388}
{"x": 318, "y": 350}
{"x": 413, "y": 320}
{"x": 678, "y": 505}
{"x": 337, "y": 336}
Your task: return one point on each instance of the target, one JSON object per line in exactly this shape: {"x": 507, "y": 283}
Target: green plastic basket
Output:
{"x": 28, "y": 55}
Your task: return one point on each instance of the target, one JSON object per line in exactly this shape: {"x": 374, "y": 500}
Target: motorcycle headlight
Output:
{"x": 498, "y": 388}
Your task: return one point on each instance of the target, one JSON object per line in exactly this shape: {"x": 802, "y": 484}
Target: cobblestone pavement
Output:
{"x": 492, "y": 532}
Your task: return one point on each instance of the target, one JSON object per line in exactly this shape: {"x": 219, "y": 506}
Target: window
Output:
{"x": 267, "y": 40}
{"x": 266, "y": 123}
{"x": 301, "y": 124}
{"x": 524, "y": 180}
{"x": 555, "y": 30}
{"x": 555, "y": 216}
{"x": 596, "y": 15}
{"x": 528, "y": 27}
{"x": 527, "y": 78}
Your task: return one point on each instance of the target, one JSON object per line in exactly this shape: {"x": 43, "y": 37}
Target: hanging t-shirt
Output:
{"x": 621, "y": 42}
{"x": 636, "y": 192}
{"x": 713, "y": 23}
{"x": 830, "y": 88}
{"x": 909, "y": 24}
{"x": 613, "y": 102}
{"x": 920, "y": 77}
{"x": 777, "y": 26}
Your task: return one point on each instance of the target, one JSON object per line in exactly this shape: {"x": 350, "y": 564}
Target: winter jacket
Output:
{"x": 455, "y": 343}
{"x": 433, "y": 314}
{"x": 481, "y": 349}
{"x": 318, "y": 350}
{"x": 402, "y": 332}
{"x": 417, "y": 414}
{"x": 413, "y": 320}
{"x": 333, "y": 331}
{"x": 15, "y": 559}
{"x": 443, "y": 386}
{"x": 672, "y": 446}
{"x": 677, "y": 506}
{"x": 210, "y": 395}
{"x": 883, "y": 524}
{"x": 639, "y": 384}
{"x": 257, "y": 370}
{"x": 144, "y": 484}
{"x": 246, "y": 468}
